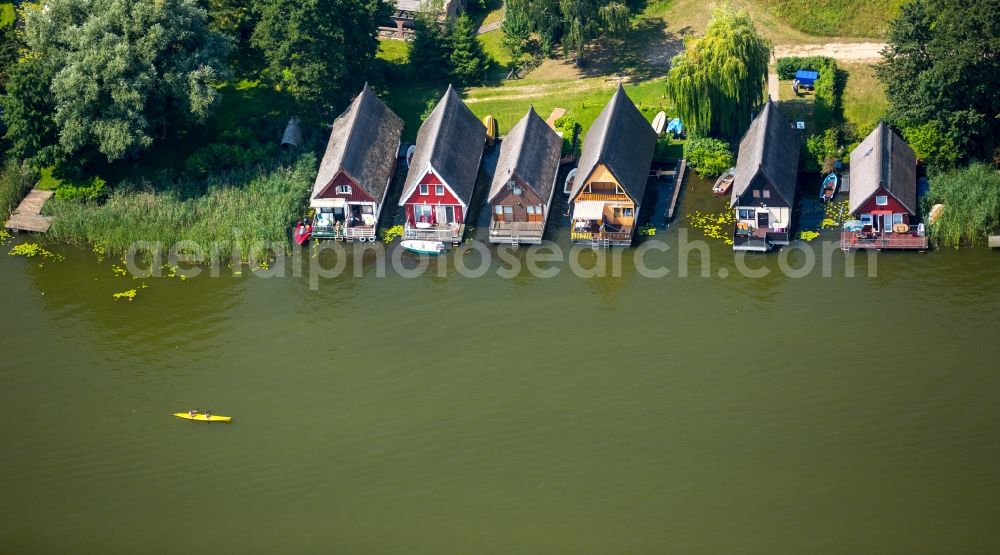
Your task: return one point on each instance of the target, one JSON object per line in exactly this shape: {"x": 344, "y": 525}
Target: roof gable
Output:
{"x": 623, "y": 141}
{"x": 883, "y": 161}
{"x": 364, "y": 143}
{"x": 531, "y": 151}
{"x": 769, "y": 149}
{"x": 451, "y": 140}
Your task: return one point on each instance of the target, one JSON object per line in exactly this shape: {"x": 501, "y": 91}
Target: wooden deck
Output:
{"x": 888, "y": 241}
{"x": 27, "y": 216}
{"x": 994, "y": 241}
{"x": 678, "y": 183}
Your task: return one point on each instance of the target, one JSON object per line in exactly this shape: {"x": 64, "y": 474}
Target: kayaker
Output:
{"x": 192, "y": 413}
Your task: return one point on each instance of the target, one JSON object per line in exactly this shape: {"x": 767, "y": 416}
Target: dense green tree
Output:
{"x": 516, "y": 28}
{"x": 718, "y": 81}
{"x": 111, "y": 74}
{"x": 430, "y": 51}
{"x": 28, "y": 107}
{"x": 10, "y": 46}
{"x": 468, "y": 61}
{"x": 583, "y": 20}
{"x": 319, "y": 50}
{"x": 932, "y": 144}
{"x": 709, "y": 157}
{"x": 237, "y": 19}
{"x": 942, "y": 65}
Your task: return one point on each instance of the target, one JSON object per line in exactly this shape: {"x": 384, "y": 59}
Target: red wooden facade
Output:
{"x": 882, "y": 213}
{"x": 357, "y": 194}
{"x": 446, "y": 199}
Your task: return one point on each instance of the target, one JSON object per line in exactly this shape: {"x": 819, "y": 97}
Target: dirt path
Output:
{"x": 853, "y": 51}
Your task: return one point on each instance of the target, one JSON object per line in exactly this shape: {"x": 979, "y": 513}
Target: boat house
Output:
{"x": 763, "y": 193}
{"x": 402, "y": 20}
{"x": 443, "y": 172}
{"x": 524, "y": 182}
{"x": 883, "y": 194}
{"x": 611, "y": 176}
{"x": 356, "y": 170}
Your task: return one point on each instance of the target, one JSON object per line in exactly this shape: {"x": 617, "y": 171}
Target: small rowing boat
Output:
{"x": 724, "y": 182}
{"x": 302, "y": 234}
{"x": 492, "y": 129}
{"x": 659, "y": 122}
{"x": 203, "y": 416}
{"x": 423, "y": 247}
{"x": 829, "y": 188}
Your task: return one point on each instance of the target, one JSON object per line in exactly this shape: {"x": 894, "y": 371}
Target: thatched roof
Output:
{"x": 623, "y": 141}
{"x": 451, "y": 141}
{"x": 769, "y": 151}
{"x": 531, "y": 151}
{"x": 884, "y": 160}
{"x": 363, "y": 144}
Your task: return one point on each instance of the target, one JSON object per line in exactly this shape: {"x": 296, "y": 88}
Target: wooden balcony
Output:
{"x": 340, "y": 233}
{"x": 516, "y": 232}
{"x": 851, "y": 240}
{"x": 603, "y": 237}
{"x": 449, "y": 233}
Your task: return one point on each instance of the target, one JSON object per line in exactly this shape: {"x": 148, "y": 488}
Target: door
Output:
{"x": 449, "y": 214}
{"x": 763, "y": 220}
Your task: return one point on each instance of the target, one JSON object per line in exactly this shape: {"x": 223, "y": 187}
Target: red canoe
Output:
{"x": 302, "y": 234}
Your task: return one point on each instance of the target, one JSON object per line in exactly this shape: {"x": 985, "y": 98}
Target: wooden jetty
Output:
{"x": 27, "y": 216}
{"x": 678, "y": 183}
{"x": 994, "y": 241}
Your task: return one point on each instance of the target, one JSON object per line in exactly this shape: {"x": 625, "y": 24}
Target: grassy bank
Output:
{"x": 831, "y": 18}
{"x": 864, "y": 97}
{"x": 238, "y": 211}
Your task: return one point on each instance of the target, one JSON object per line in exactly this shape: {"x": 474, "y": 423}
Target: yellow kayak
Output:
{"x": 201, "y": 417}
{"x": 491, "y": 129}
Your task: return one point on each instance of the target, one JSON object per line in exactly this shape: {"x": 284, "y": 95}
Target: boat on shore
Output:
{"x": 659, "y": 122}
{"x": 829, "y": 187}
{"x": 198, "y": 416}
{"x": 724, "y": 182}
{"x": 492, "y": 129}
{"x": 423, "y": 247}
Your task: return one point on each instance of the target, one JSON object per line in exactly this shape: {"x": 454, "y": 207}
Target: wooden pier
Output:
{"x": 994, "y": 241}
{"x": 27, "y": 216}
{"x": 678, "y": 183}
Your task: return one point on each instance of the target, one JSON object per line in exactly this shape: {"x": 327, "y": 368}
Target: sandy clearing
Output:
{"x": 838, "y": 50}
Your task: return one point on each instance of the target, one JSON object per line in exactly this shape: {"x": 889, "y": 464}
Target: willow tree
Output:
{"x": 720, "y": 78}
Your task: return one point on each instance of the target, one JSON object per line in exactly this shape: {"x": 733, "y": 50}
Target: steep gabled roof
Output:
{"x": 623, "y": 141}
{"x": 451, "y": 140}
{"x": 363, "y": 144}
{"x": 883, "y": 159}
{"x": 769, "y": 150}
{"x": 531, "y": 150}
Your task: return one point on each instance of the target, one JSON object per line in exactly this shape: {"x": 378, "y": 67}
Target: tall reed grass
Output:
{"x": 15, "y": 182}
{"x": 238, "y": 211}
{"x": 971, "y": 198}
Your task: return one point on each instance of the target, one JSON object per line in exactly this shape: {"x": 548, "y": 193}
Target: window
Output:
{"x": 745, "y": 213}
{"x": 498, "y": 210}
{"x": 343, "y": 189}
{"x": 897, "y": 219}
{"x": 626, "y": 212}
{"x": 367, "y": 209}
{"x": 881, "y": 200}
{"x": 766, "y": 193}
{"x": 439, "y": 190}
{"x": 422, "y": 213}
{"x": 866, "y": 219}
{"x": 423, "y": 189}
{"x": 449, "y": 214}
{"x": 756, "y": 193}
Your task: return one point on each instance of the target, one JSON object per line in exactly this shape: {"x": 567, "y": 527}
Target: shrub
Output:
{"x": 971, "y": 197}
{"x": 237, "y": 149}
{"x": 91, "y": 190}
{"x": 932, "y": 144}
{"x": 570, "y": 129}
{"x": 822, "y": 149}
{"x": 709, "y": 157}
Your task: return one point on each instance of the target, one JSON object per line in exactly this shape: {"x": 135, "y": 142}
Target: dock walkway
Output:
{"x": 27, "y": 216}
{"x": 664, "y": 186}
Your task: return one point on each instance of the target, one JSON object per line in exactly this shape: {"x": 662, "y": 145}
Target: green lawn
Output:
{"x": 7, "y": 14}
{"x": 47, "y": 181}
{"x": 864, "y": 97}
{"x": 394, "y": 51}
{"x": 832, "y": 18}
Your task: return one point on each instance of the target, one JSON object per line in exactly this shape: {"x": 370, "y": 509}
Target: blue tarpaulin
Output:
{"x": 806, "y": 77}
{"x": 675, "y": 126}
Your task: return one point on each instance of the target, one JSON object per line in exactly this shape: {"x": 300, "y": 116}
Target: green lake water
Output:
{"x": 452, "y": 415}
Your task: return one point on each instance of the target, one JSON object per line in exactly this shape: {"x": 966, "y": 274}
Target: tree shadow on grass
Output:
{"x": 644, "y": 54}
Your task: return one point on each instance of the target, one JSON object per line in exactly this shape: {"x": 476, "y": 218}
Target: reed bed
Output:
{"x": 971, "y": 198}
{"x": 244, "y": 213}
{"x": 15, "y": 183}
